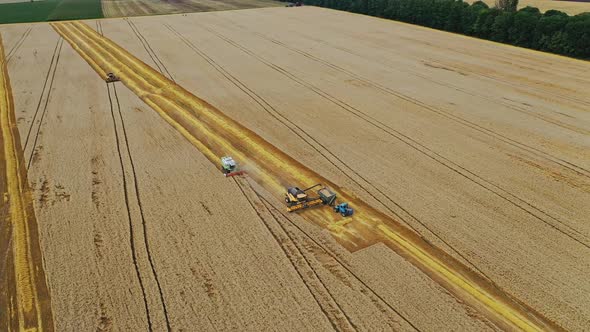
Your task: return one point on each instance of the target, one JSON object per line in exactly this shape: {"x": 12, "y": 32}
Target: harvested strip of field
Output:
{"x": 122, "y": 8}
{"x": 176, "y": 104}
{"x": 24, "y": 297}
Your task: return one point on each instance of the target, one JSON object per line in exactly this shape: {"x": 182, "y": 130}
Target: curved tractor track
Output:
{"x": 388, "y": 91}
{"x": 351, "y": 173}
{"x": 215, "y": 134}
{"x": 24, "y": 297}
{"x": 554, "y": 222}
{"x": 527, "y": 148}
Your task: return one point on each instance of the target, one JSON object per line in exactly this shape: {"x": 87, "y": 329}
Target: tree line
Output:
{"x": 552, "y": 31}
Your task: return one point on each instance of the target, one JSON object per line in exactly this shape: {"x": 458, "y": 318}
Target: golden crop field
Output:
{"x": 467, "y": 164}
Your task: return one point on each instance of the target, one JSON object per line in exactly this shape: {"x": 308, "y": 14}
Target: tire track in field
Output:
{"x": 129, "y": 219}
{"x": 17, "y": 44}
{"x": 143, "y": 43}
{"x": 308, "y": 139}
{"x": 532, "y": 90}
{"x": 580, "y": 170}
{"x": 383, "y": 89}
{"x": 276, "y": 214}
{"x": 526, "y": 89}
{"x": 146, "y": 45}
{"x": 463, "y": 51}
{"x": 320, "y": 292}
{"x": 578, "y": 237}
{"x": 53, "y": 65}
{"x": 507, "y": 140}
{"x": 508, "y": 104}
{"x": 14, "y": 50}
{"x": 99, "y": 27}
{"x": 51, "y": 69}
{"x": 140, "y": 206}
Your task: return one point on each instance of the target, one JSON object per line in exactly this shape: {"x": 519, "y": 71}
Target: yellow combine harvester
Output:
{"x": 298, "y": 199}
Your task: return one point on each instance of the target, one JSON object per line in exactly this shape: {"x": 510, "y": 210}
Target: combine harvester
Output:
{"x": 111, "y": 78}
{"x": 298, "y": 199}
{"x": 229, "y": 167}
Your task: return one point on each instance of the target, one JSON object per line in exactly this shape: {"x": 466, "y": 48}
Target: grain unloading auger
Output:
{"x": 298, "y": 199}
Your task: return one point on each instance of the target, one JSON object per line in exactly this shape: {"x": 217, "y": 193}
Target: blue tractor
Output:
{"x": 343, "y": 209}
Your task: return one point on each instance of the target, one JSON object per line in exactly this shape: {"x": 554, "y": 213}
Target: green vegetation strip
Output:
{"x": 49, "y": 10}
{"x": 552, "y": 31}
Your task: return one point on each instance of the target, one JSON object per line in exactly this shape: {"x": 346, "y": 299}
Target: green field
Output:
{"x": 49, "y": 10}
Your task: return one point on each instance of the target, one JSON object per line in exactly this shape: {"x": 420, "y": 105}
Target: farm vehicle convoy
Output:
{"x": 295, "y": 198}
